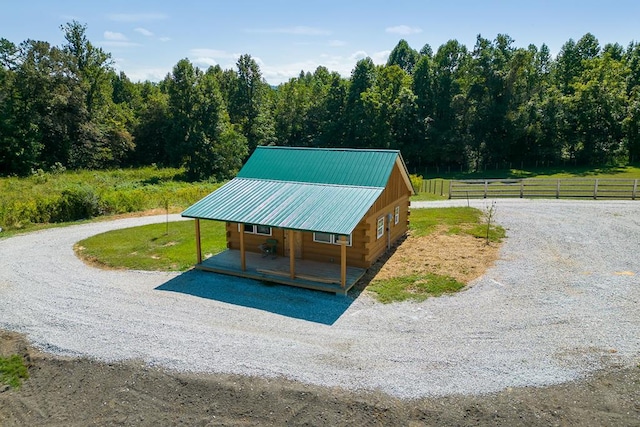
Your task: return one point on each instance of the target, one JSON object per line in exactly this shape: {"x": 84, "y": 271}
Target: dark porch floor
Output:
{"x": 309, "y": 274}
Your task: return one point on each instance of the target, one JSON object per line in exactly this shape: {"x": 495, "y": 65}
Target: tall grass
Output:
{"x": 69, "y": 196}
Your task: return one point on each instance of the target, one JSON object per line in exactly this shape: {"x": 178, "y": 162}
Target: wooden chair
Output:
{"x": 270, "y": 247}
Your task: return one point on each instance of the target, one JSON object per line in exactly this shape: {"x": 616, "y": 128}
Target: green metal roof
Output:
{"x": 299, "y": 206}
{"x": 322, "y": 190}
{"x": 370, "y": 168}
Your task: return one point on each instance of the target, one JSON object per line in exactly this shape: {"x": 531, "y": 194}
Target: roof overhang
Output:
{"x": 405, "y": 174}
{"x": 335, "y": 209}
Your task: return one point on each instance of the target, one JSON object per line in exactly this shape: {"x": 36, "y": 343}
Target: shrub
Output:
{"x": 77, "y": 203}
{"x": 416, "y": 182}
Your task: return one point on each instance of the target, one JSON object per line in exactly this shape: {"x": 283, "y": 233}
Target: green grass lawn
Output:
{"x": 151, "y": 247}
{"x": 416, "y": 287}
{"x": 422, "y": 197}
{"x": 457, "y": 220}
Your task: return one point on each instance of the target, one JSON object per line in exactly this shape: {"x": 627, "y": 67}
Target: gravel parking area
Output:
{"x": 561, "y": 302}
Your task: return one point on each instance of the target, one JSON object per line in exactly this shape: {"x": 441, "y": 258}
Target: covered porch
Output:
{"x": 308, "y": 274}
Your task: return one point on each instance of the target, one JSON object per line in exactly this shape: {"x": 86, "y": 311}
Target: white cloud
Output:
{"x": 337, "y": 43}
{"x": 377, "y": 57}
{"x": 137, "y": 17}
{"x": 151, "y": 74}
{"x": 297, "y": 30}
{"x": 403, "y": 30}
{"x": 164, "y": 39}
{"x": 277, "y": 74}
{"x": 112, "y": 36}
{"x": 143, "y": 31}
{"x": 381, "y": 57}
{"x": 282, "y": 73}
{"x": 208, "y": 57}
{"x": 205, "y": 61}
{"x": 357, "y": 56}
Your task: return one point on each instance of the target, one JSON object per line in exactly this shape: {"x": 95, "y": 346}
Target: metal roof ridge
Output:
{"x": 310, "y": 183}
{"x": 280, "y": 147}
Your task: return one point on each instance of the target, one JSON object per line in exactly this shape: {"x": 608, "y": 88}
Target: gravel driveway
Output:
{"x": 561, "y": 302}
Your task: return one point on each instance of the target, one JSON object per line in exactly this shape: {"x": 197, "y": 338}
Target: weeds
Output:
{"x": 13, "y": 371}
{"x": 55, "y": 197}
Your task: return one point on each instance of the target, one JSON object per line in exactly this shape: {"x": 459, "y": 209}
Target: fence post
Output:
{"x": 441, "y": 187}
{"x": 558, "y": 189}
{"x": 486, "y": 187}
{"x": 635, "y": 188}
{"x": 521, "y": 188}
{"x": 450, "y": 188}
{"x": 595, "y": 189}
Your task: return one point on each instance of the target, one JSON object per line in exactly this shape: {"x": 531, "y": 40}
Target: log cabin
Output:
{"x": 310, "y": 217}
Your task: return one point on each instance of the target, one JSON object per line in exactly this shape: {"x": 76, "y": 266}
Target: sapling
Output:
{"x": 490, "y": 212}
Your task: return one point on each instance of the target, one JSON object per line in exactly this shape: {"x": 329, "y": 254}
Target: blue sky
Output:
{"x": 147, "y": 38}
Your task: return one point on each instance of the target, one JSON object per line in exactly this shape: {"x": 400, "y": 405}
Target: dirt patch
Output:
{"x": 11, "y": 343}
{"x": 78, "y": 392}
{"x": 462, "y": 257}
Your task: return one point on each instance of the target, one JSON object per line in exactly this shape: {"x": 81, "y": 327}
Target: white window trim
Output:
{"x": 255, "y": 230}
{"x": 335, "y": 239}
{"x": 380, "y": 227}
{"x": 397, "y": 215}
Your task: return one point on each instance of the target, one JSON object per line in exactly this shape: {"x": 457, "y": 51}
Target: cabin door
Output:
{"x": 297, "y": 244}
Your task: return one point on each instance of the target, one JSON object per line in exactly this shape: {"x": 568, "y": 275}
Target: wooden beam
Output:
{"x": 292, "y": 255}
{"x": 243, "y": 258}
{"x": 198, "y": 242}
{"x": 343, "y": 261}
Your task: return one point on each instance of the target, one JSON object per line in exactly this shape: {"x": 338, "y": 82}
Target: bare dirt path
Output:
{"x": 82, "y": 392}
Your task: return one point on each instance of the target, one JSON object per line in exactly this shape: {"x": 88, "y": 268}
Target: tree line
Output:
{"x": 65, "y": 107}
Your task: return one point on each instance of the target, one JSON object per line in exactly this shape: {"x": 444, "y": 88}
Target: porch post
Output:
{"x": 343, "y": 261}
{"x": 198, "y": 242}
{"x": 292, "y": 256}
{"x": 243, "y": 261}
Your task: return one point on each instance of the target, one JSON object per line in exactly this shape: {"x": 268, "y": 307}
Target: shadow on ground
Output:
{"x": 304, "y": 304}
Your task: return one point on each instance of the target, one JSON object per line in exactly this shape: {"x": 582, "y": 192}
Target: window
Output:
{"x": 333, "y": 239}
{"x": 263, "y": 229}
{"x": 256, "y": 229}
{"x": 397, "y": 215}
{"x": 322, "y": 237}
{"x": 380, "y": 227}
